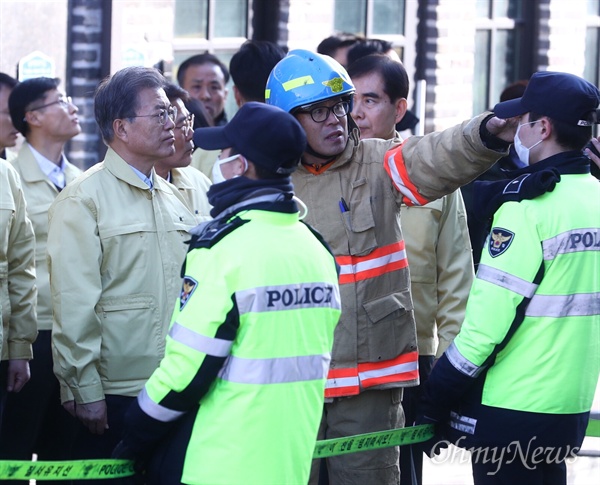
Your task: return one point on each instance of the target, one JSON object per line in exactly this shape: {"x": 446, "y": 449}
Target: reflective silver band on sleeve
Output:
{"x": 506, "y": 280}
{"x": 460, "y": 363}
{"x": 208, "y": 345}
{"x": 155, "y": 410}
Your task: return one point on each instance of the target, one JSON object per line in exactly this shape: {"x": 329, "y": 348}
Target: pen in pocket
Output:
{"x": 343, "y": 205}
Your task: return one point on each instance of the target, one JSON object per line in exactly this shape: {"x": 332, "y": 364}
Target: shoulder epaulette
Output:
{"x": 214, "y": 231}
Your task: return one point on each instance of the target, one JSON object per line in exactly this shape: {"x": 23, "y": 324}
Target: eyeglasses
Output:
{"x": 63, "y": 101}
{"x": 162, "y": 115}
{"x": 186, "y": 124}
{"x": 321, "y": 113}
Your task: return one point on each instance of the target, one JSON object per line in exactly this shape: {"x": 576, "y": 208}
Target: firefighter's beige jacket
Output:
{"x": 375, "y": 342}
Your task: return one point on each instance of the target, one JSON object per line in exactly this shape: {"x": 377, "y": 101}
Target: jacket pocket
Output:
{"x": 390, "y": 326}
{"x": 132, "y": 337}
{"x": 359, "y": 222}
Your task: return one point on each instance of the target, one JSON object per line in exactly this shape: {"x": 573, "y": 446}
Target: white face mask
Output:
{"x": 217, "y": 174}
{"x": 523, "y": 151}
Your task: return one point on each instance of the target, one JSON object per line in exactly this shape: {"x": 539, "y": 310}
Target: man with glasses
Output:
{"x": 33, "y": 420}
{"x": 191, "y": 182}
{"x": 354, "y": 190}
{"x": 115, "y": 249}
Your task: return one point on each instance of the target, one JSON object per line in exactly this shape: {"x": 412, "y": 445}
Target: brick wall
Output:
{"x": 85, "y": 71}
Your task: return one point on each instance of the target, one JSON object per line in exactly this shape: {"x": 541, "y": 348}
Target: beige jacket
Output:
{"x": 193, "y": 185}
{"x": 18, "y": 292}
{"x": 441, "y": 269}
{"x": 40, "y": 192}
{"x": 375, "y": 342}
{"x": 115, "y": 250}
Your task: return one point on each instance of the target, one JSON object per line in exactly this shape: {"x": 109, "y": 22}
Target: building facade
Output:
{"x": 459, "y": 54}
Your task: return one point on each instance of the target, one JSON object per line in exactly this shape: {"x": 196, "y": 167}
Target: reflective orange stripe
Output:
{"x": 380, "y": 261}
{"x": 396, "y": 169}
{"x": 348, "y": 381}
{"x": 405, "y": 367}
{"x": 342, "y": 382}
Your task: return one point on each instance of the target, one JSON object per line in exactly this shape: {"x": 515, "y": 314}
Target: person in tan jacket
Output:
{"x": 435, "y": 236}
{"x": 34, "y": 421}
{"x": 191, "y": 182}
{"x": 354, "y": 190}
{"x": 18, "y": 292}
{"x": 115, "y": 251}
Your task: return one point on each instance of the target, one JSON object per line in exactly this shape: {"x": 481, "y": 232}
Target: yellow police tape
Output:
{"x": 107, "y": 469}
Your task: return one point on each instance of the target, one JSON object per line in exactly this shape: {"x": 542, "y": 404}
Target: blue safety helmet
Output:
{"x": 303, "y": 77}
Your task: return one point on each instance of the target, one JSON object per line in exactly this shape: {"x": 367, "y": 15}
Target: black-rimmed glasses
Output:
{"x": 63, "y": 101}
{"x": 186, "y": 124}
{"x": 321, "y": 113}
{"x": 162, "y": 115}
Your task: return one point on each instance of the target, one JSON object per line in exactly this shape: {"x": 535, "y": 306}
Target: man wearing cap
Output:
{"x": 240, "y": 389}
{"x": 519, "y": 379}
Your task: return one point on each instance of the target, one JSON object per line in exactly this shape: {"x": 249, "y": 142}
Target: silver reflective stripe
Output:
{"x": 463, "y": 423}
{"x": 580, "y": 304}
{"x": 572, "y": 241}
{"x": 506, "y": 280}
{"x": 388, "y": 371}
{"x": 210, "y": 346}
{"x": 462, "y": 364}
{"x": 275, "y": 371}
{"x": 288, "y": 297}
{"x": 155, "y": 410}
{"x": 341, "y": 382}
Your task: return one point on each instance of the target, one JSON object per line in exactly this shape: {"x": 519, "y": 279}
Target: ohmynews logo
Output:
{"x": 530, "y": 456}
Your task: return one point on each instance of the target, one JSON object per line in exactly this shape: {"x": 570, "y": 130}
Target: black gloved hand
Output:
{"x": 433, "y": 446}
{"x": 489, "y": 196}
{"x": 124, "y": 452}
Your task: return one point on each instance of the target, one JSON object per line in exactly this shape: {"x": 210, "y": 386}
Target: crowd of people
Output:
{"x": 218, "y": 293}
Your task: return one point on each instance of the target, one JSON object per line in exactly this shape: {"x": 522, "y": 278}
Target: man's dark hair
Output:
{"x": 251, "y": 65}
{"x": 24, "y": 94}
{"x": 201, "y": 117}
{"x": 173, "y": 91}
{"x": 117, "y": 97}
{"x": 367, "y": 47}
{"x": 331, "y": 44}
{"x": 7, "y": 81}
{"x": 198, "y": 60}
{"x": 570, "y": 137}
{"x": 393, "y": 74}
{"x": 514, "y": 90}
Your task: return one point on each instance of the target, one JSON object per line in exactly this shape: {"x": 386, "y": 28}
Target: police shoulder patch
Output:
{"x": 187, "y": 290}
{"x": 499, "y": 241}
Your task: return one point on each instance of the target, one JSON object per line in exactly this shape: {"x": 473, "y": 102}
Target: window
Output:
{"x": 382, "y": 19}
{"x": 592, "y": 43}
{"x": 217, "y": 26}
{"x": 500, "y": 49}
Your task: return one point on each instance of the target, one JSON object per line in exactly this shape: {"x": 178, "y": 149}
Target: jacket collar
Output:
{"x": 31, "y": 171}
{"x": 122, "y": 170}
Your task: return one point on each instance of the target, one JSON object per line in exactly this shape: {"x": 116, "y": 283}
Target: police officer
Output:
{"x": 519, "y": 379}
{"x": 240, "y": 389}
